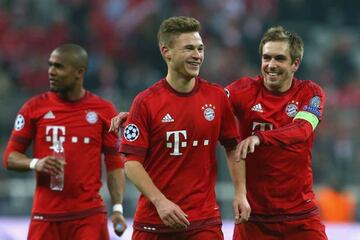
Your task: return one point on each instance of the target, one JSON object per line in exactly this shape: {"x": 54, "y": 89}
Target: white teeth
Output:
{"x": 273, "y": 74}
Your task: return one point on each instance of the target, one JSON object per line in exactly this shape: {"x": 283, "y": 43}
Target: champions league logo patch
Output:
{"x": 313, "y": 110}
{"x": 209, "y": 112}
{"x": 314, "y": 106}
{"x": 131, "y": 132}
{"x": 91, "y": 117}
{"x": 315, "y": 102}
{"x": 19, "y": 122}
{"x": 292, "y": 108}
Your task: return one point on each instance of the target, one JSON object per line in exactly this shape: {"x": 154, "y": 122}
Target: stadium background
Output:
{"x": 120, "y": 36}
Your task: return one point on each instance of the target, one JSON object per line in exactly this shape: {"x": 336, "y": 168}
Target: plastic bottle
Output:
{"x": 57, "y": 181}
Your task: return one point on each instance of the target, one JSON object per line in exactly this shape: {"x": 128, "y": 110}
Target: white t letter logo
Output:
{"x": 176, "y": 145}
{"x": 55, "y": 134}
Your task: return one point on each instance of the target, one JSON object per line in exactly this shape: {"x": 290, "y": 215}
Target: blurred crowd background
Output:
{"x": 120, "y": 36}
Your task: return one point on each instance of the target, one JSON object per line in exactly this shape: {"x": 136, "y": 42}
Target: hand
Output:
{"x": 119, "y": 223}
{"x": 50, "y": 165}
{"x": 241, "y": 208}
{"x": 248, "y": 145}
{"x": 118, "y": 122}
{"x": 171, "y": 214}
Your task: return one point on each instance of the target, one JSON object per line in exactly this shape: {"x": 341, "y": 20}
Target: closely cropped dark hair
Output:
{"x": 174, "y": 26}
{"x": 280, "y": 34}
{"x": 75, "y": 53}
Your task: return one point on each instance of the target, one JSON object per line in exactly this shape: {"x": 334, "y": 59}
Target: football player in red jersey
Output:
{"x": 170, "y": 140}
{"x": 78, "y": 119}
{"x": 278, "y": 115}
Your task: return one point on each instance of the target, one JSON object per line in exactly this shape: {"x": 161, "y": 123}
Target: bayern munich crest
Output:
{"x": 209, "y": 112}
{"x": 292, "y": 109}
{"x": 131, "y": 132}
{"x": 19, "y": 122}
{"x": 91, "y": 117}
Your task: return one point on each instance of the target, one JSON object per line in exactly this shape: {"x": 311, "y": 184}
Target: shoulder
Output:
{"x": 99, "y": 105}
{"x": 150, "y": 92}
{"x": 245, "y": 83}
{"x": 38, "y": 99}
{"x": 95, "y": 98}
{"x": 310, "y": 87}
{"x": 209, "y": 86}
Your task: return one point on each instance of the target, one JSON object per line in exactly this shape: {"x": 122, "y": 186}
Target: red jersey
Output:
{"x": 174, "y": 136}
{"x": 82, "y": 127}
{"x": 279, "y": 176}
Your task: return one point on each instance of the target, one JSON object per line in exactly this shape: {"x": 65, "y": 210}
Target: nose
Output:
{"x": 51, "y": 70}
{"x": 197, "y": 54}
{"x": 272, "y": 63}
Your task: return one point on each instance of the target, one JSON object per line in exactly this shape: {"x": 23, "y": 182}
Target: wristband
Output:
{"x": 118, "y": 208}
{"x": 33, "y": 163}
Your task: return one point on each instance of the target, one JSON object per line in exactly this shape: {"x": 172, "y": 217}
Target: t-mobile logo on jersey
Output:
{"x": 57, "y": 133}
{"x": 177, "y": 143}
{"x": 260, "y": 126}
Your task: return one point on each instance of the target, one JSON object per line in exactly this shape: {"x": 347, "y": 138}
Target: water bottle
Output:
{"x": 57, "y": 181}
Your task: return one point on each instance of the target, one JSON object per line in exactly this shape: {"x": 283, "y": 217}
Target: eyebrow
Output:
{"x": 55, "y": 64}
{"x": 194, "y": 46}
{"x": 274, "y": 56}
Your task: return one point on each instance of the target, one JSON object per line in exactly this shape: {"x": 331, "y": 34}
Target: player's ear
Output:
{"x": 80, "y": 72}
{"x": 295, "y": 65}
{"x": 165, "y": 52}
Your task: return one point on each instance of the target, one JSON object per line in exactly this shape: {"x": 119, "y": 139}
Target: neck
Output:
{"x": 72, "y": 95}
{"x": 279, "y": 89}
{"x": 180, "y": 84}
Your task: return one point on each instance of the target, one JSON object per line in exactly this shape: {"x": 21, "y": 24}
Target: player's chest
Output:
{"x": 194, "y": 116}
{"x": 69, "y": 125}
{"x": 270, "y": 112}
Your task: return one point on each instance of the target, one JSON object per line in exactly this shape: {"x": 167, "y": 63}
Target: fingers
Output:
{"x": 248, "y": 146}
{"x": 122, "y": 117}
{"x": 119, "y": 229}
{"x": 173, "y": 216}
{"x": 51, "y": 165}
{"x": 244, "y": 148}
{"x": 119, "y": 223}
{"x": 118, "y": 121}
{"x": 236, "y": 213}
{"x": 243, "y": 214}
{"x": 241, "y": 209}
{"x": 177, "y": 220}
{"x": 114, "y": 125}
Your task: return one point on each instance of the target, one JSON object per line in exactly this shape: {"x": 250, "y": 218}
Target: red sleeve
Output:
{"x": 111, "y": 155}
{"x": 295, "y": 132}
{"x": 22, "y": 134}
{"x": 135, "y": 138}
{"x": 229, "y": 133}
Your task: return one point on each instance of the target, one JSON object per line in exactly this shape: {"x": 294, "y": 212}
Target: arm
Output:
{"x": 304, "y": 122}
{"x": 237, "y": 172}
{"x": 116, "y": 186}
{"x": 170, "y": 213}
{"x": 20, "y": 162}
{"x": 296, "y": 132}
